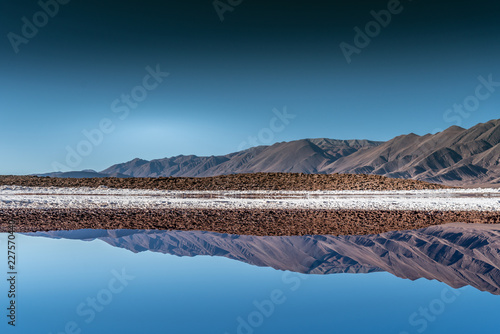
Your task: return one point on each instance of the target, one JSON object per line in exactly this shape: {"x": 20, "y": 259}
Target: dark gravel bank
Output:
{"x": 249, "y": 222}
{"x": 257, "y": 181}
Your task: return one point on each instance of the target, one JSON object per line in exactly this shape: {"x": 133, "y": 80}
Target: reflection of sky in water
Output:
{"x": 207, "y": 295}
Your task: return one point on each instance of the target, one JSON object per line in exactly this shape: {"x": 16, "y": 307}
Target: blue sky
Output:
{"x": 225, "y": 78}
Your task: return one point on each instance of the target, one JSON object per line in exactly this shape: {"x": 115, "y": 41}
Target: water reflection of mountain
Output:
{"x": 456, "y": 254}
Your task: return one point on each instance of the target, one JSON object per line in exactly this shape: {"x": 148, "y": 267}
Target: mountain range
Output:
{"x": 455, "y": 254}
{"x": 455, "y": 156}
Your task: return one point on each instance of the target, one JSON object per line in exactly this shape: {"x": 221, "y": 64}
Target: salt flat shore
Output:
{"x": 257, "y": 212}
{"x": 19, "y": 197}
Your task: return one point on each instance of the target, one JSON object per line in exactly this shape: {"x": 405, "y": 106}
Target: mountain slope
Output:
{"x": 301, "y": 156}
{"x": 455, "y": 156}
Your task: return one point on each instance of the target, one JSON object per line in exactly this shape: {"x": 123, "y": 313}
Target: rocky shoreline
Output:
{"x": 257, "y": 181}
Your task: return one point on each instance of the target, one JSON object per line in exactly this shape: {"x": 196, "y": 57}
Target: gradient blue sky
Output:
{"x": 227, "y": 77}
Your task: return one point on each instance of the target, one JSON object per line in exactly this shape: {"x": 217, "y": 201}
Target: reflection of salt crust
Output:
{"x": 12, "y": 197}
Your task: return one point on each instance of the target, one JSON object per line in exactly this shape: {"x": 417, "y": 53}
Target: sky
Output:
{"x": 87, "y": 84}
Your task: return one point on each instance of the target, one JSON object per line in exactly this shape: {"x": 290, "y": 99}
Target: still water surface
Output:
{"x": 437, "y": 280}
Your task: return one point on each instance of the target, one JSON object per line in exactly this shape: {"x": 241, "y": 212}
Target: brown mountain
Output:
{"x": 455, "y": 156}
{"x": 301, "y": 156}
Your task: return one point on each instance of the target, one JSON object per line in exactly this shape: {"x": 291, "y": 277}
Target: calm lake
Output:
{"x": 437, "y": 280}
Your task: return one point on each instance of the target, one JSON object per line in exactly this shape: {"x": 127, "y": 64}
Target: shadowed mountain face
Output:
{"x": 455, "y": 254}
{"x": 455, "y": 156}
